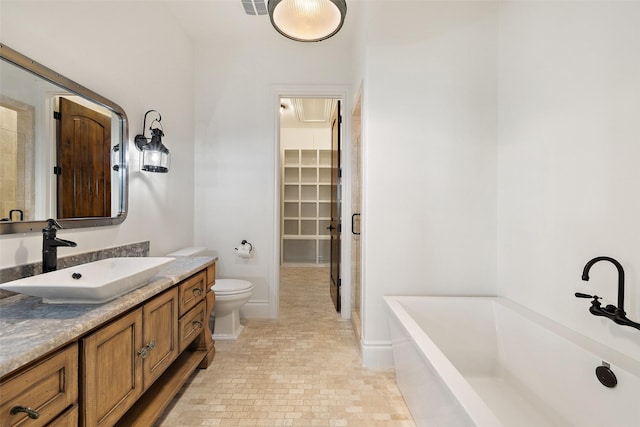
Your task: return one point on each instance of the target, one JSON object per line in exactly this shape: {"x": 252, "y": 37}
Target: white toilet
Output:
{"x": 231, "y": 294}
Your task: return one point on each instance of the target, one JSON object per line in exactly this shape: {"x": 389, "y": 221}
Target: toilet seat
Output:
{"x": 231, "y": 286}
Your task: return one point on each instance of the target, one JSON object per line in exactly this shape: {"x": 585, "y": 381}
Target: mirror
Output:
{"x": 63, "y": 150}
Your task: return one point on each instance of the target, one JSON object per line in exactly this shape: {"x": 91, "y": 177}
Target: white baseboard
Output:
{"x": 377, "y": 354}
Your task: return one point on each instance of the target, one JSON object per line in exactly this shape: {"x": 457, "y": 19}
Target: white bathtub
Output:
{"x": 489, "y": 362}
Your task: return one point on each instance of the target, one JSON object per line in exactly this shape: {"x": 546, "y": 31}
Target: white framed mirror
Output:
{"x": 64, "y": 150}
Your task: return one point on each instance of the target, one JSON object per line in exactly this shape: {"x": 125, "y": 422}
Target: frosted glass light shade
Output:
{"x": 307, "y": 20}
{"x": 157, "y": 161}
{"x": 155, "y": 156}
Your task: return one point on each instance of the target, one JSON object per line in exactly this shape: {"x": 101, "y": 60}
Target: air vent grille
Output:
{"x": 254, "y": 7}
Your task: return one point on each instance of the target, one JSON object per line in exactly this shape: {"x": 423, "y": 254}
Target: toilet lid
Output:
{"x": 231, "y": 285}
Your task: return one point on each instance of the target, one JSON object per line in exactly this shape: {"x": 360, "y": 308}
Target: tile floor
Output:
{"x": 302, "y": 369}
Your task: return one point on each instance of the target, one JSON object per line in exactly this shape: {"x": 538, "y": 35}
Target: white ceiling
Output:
{"x": 215, "y": 19}
{"x": 306, "y": 112}
{"x": 208, "y": 22}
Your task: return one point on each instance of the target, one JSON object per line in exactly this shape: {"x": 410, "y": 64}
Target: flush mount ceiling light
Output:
{"x": 307, "y": 20}
{"x": 155, "y": 156}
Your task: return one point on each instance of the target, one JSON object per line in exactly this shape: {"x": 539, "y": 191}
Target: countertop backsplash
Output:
{"x": 140, "y": 249}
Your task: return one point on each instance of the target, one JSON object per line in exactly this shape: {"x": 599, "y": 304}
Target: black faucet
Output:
{"x": 50, "y": 245}
{"x": 617, "y": 314}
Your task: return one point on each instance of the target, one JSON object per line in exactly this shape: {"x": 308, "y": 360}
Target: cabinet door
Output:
{"x": 160, "y": 334}
{"x": 112, "y": 380}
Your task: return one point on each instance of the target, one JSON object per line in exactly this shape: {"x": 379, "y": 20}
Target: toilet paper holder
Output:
{"x": 244, "y": 243}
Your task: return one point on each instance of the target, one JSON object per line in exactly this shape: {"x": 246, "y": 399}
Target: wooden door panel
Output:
{"x": 335, "y": 281}
{"x": 84, "y": 161}
{"x": 160, "y": 335}
{"x": 113, "y": 370}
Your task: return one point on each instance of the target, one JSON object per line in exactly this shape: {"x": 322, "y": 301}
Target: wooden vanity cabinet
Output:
{"x": 124, "y": 372}
{"x": 49, "y": 388}
{"x": 196, "y": 349}
{"x": 124, "y": 358}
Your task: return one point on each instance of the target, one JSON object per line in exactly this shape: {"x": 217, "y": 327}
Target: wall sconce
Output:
{"x": 307, "y": 20}
{"x": 155, "y": 156}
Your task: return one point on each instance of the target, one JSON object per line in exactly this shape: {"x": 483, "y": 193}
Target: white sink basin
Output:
{"x": 92, "y": 283}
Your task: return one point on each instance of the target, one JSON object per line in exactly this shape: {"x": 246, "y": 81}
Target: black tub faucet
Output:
{"x": 50, "y": 245}
{"x": 617, "y": 314}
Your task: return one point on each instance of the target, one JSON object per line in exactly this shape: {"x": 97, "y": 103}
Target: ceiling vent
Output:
{"x": 313, "y": 110}
{"x": 254, "y": 7}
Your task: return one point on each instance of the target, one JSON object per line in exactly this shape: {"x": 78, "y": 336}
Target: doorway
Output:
{"x": 308, "y": 220}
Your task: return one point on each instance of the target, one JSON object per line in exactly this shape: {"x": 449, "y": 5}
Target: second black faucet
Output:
{"x": 617, "y": 314}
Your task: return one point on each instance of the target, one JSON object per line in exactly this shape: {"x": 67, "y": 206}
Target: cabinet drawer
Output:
{"x": 192, "y": 291}
{"x": 68, "y": 419}
{"x": 191, "y": 325}
{"x": 49, "y": 388}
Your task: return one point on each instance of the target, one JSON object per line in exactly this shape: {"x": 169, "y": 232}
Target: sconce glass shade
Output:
{"x": 155, "y": 156}
{"x": 307, "y": 20}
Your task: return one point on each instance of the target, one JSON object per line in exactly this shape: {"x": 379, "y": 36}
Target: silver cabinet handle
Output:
{"x": 197, "y": 324}
{"x": 144, "y": 351}
{"x": 197, "y": 291}
{"x": 31, "y": 413}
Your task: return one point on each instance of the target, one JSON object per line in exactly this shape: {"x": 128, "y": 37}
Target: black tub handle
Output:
{"x": 353, "y": 224}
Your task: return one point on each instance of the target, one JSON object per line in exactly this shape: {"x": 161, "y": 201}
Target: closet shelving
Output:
{"x": 306, "y": 206}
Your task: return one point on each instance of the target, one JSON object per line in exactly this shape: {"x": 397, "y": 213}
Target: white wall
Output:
{"x": 429, "y": 210}
{"x": 569, "y": 159}
{"x": 112, "y": 48}
{"x": 236, "y": 140}
{"x": 300, "y": 138}
{"x": 501, "y": 151}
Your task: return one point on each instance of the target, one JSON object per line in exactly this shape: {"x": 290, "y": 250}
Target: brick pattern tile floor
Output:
{"x": 303, "y": 369}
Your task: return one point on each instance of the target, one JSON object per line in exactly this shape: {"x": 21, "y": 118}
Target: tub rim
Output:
{"x": 475, "y": 407}
{"x": 464, "y": 393}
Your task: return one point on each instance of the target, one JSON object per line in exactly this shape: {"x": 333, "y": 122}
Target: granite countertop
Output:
{"x": 30, "y": 329}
